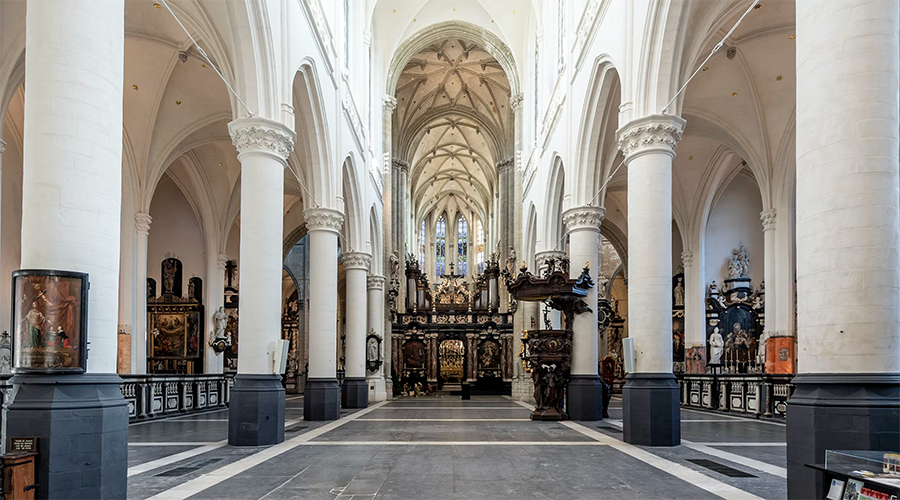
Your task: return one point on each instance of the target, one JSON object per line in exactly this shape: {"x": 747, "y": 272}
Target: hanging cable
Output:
{"x": 666, "y": 107}
{"x": 203, "y": 53}
{"x": 300, "y": 181}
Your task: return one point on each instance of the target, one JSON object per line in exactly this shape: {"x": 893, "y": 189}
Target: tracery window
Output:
{"x": 440, "y": 240}
{"x": 422, "y": 246}
{"x": 479, "y": 246}
{"x": 462, "y": 245}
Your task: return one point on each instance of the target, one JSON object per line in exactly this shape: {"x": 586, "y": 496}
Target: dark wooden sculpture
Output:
{"x": 548, "y": 353}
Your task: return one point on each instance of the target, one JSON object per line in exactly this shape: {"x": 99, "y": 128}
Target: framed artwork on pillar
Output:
{"x": 49, "y": 321}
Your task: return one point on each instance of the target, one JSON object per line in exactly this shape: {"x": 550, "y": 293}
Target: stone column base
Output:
{"x": 81, "y": 422}
{"x": 831, "y": 411}
{"x": 650, "y": 409}
{"x": 584, "y": 397}
{"x": 377, "y": 392}
{"x": 355, "y": 393}
{"x": 523, "y": 390}
{"x": 321, "y": 399}
{"x": 256, "y": 410}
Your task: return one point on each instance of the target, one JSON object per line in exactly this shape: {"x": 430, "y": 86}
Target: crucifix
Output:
{"x": 230, "y": 268}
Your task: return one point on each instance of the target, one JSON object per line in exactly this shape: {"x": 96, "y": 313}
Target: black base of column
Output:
{"x": 651, "y": 415}
{"x": 584, "y": 397}
{"x": 81, "y": 422}
{"x": 857, "y": 411}
{"x": 355, "y": 393}
{"x": 256, "y": 410}
{"x": 321, "y": 399}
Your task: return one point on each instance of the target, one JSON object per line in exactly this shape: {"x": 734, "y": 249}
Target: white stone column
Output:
{"x": 694, "y": 307}
{"x": 214, "y": 297}
{"x": 848, "y": 234}
{"x": 321, "y": 396}
{"x": 256, "y": 415}
{"x": 71, "y": 221}
{"x": 649, "y": 146}
{"x": 585, "y": 391}
{"x": 355, "y": 392}
{"x": 375, "y": 307}
{"x": 139, "y": 330}
{"x": 769, "y": 220}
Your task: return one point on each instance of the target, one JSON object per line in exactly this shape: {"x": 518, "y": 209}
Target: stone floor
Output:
{"x": 445, "y": 448}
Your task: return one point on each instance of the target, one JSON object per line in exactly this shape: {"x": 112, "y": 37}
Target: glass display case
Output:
{"x": 862, "y": 475}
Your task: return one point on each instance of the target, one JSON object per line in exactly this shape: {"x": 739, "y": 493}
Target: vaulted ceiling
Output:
{"x": 450, "y": 124}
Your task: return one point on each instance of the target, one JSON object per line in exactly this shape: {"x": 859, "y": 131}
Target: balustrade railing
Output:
{"x": 757, "y": 395}
{"x": 156, "y": 396}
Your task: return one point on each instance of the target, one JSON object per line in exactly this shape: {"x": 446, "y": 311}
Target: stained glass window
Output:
{"x": 440, "y": 239}
{"x": 479, "y": 246}
{"x": 462, "y": 246}
{"x": 422, "y": 246}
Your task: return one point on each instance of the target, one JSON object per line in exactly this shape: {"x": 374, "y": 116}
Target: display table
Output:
{"x": 860, "y": 475}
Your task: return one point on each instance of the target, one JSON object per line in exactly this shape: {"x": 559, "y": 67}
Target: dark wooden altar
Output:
{"x": 548, "y": 352}
{"x": 175, "y": 323}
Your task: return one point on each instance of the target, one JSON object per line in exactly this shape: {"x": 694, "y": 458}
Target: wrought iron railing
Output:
{"x": 757, "y": 395}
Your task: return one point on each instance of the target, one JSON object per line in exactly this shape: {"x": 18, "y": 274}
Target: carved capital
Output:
{"x": 400, "y": 164}
{"x": 580, "y": 218}
{"x": 261, "y": 136}
{"x": 768, "y": 218}
{"x": 323, "y": 219}
{"x": 651, "y": 134}
{"x": 374, "y": 282}
{"x": 504, "y": 164}
{"x": 142, "y": 222}
{"x": 541, "y": 258}
{"x": 221, "y": 260}
{"x": 356, "y": 260}
{"x": 390, "y": 102}
{"x": 687, "y": 258}
{"x": 515, "y": 102}
{"x": 2, "y": 146}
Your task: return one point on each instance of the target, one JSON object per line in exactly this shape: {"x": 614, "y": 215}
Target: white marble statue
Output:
{"x": 679, "y": 294}
{"x": 220, "y": 321}
{"x": 372, "y": 354}
{"x": 717, "y": 347}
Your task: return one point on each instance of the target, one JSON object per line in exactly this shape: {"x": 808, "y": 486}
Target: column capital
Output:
{"x": 374, "y": 282}
{"x": 324, "y": 219}
{"x": 516, "y": 100}
{"x": 261, "y": 136}
{"x": 2, "y": 146}
{"x": 687, "y": 258}
{"x": 142, "y": 222}
{"x": 400, "y": 164}
{"x": 505, "y": 164}
{"x": 582, "y": 218}
{"x": 768, "y": 217}
{"x": 221, "y": 261}
{"x": 541, "y": 258}
{"x": 356, "y": 260}
{"x": 390, "y": 102}
{"x": 650, "y": 134}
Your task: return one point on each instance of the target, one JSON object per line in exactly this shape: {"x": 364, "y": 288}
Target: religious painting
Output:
{"x": 695, "y": 359}
{"x": 414, "y": 354}
{"x": 678, "y": 337}
{"x": 452, "y": 358}
{"x": 49, "y": 321}
{"x": 739, "y": 332}
{"x": 489, "y": 355}
{"x": 174, "y": 339}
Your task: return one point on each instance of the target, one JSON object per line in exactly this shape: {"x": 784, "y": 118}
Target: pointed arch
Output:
{"x": 310, "y": 161}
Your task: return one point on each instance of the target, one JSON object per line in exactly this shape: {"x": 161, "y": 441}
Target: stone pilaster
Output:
{"x": 585, "y": 391}
{"x": 256, "y": 415}
{"x": 142, "y": 223}
{"x": 651, "y": 391}
{"x": 847, "y": 391}
{"x": 375, "y": 325}
{"x": 321, "y": 397}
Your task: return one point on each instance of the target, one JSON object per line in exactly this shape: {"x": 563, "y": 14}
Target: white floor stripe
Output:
{"x": 444, "y": 420}
{"x": 215, "y": 477}
{"x": 679, "y": 471}
{"x": 776, "y": 443}
{"x": 738, "y": 459}
{"x": 451, "y": 408}
{"x": 454, "y": 443}
{"x": 177, "y": 457}
{"x": 172, "y": 444}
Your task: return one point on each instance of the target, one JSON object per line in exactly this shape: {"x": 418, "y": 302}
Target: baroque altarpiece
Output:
{"x": 175, "y": 340}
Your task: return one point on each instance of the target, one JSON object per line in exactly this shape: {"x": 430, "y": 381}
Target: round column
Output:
{"x": 650, "y": 396}
{"x": 322, "y": 394}
{"x": 768, "y": 218}
{"x": 139, "y": 332}
{"x": 694, "y": 308}
{"x": 355, "y": 392}
{"x": 848, "y": 235}
{"x": 256, "y": 410}
{"x": 71, "y": 221}
{"x": 585, "y": 391}
{"x": 375, "y": 307}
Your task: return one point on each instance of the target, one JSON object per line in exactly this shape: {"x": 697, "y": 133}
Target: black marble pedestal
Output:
{"x": 81, "y": 422}
{"x": 256, "y": 410}
{"x": 651, "y": 413}
{"x": 355, "y": 393}
{"x": 584, "y": 397}
{"x": 321, "y": 399}
{"x": 838, "y": 411}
